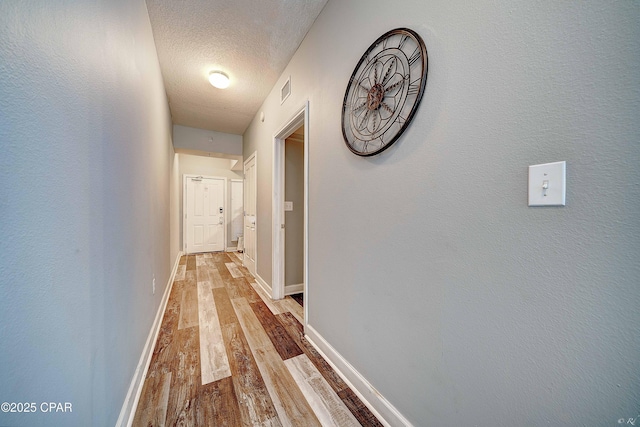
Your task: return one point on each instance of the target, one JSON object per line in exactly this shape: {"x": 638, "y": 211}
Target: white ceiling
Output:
{"x": 250, "y": 40}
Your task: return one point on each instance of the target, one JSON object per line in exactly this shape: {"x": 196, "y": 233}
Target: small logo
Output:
{"x": 628, "y": 421}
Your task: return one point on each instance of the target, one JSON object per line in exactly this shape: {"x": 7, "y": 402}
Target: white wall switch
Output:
{"x": 288, "y": 206}
{"x": 547, "y": 186}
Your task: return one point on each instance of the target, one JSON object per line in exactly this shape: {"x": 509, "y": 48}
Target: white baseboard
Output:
{"x": 264, "y": 285}
{"x": 130, "y": 404}
{"x": 386, "y": 413}
{"x": 232, "y": 249}
{"x": 293, "y": 289}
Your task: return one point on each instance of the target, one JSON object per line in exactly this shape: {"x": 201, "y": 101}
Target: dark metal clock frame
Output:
{"x": 384, "y": 92}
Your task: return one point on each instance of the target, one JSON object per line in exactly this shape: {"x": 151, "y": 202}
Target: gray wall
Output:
{"x": 428, "y": 272}
{"x": 206, "y": 140}
{"x": 175, "y": 202}
{"x": 86, "y": 156}
{"x": 294, "y": 220}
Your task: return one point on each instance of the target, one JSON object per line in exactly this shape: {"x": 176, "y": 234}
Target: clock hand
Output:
{"x": 359, "y": 107}
{"x": 386, "y": 107}
{"x": 386, "y": 75}
{"x": 364, "y": 120}
{"x": 393, "y": 86}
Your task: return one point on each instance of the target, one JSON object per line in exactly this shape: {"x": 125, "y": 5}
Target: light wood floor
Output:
{"x": 227, "y": 355}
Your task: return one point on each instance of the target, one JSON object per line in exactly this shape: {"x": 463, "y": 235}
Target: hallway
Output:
{"x": 226, "y": 355}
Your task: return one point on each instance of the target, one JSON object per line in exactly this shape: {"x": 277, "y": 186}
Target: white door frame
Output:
{"x": 231, "y": 181}
{"x": 301, "y": 117}
{"x": 184, "y": 207}
{"x": 254, "y": 157}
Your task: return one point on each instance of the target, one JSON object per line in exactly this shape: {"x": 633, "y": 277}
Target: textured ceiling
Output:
{"x": 250, "y": 40}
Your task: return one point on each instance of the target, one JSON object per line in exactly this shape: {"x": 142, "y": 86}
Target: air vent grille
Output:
{"x": 285, "y": 91}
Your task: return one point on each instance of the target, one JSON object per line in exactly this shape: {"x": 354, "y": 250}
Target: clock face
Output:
{"x": 384, "y": 92}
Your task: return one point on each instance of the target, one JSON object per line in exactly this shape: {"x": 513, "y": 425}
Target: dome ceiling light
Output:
{"x": 219, "y": 79}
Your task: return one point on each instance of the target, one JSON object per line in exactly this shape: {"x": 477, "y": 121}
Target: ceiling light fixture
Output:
{"x": 219, "y": 79}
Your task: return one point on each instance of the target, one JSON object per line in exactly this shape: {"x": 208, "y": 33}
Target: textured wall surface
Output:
{"x": 428, "y": 272}
{"x": 206, "y": 140}
{"x": 85, "y": 157}
{"x": 175, "y": 195}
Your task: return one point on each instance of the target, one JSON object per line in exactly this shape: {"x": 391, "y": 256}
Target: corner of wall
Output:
{"x": 128, "y": 410}
{"x": 386, "y": 413}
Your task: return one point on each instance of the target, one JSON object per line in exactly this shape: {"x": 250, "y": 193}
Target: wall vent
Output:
{"x": 285, "y": 91}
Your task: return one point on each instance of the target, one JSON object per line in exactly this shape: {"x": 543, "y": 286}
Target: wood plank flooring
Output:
{"x": 227, "y": 355}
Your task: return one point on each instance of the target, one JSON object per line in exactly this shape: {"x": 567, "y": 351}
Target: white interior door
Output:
{"x": 204, "y": 214}
{"x": 250, "y": 182}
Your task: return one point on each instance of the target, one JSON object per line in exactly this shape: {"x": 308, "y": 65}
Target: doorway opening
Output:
{"x": 294, "y": 212}
{"x": 290, "y": 207}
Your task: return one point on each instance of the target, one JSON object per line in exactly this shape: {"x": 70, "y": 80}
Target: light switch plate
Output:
{"x": 288, "y": 206}
{"x": 551, "y": 175}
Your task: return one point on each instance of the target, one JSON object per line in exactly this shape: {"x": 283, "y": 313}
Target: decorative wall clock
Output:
{"x": 384, "y": 92}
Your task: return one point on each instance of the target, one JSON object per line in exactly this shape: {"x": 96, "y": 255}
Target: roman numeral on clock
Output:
{"x": 414, "y": 87}
{"x": 414, "y": 57}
